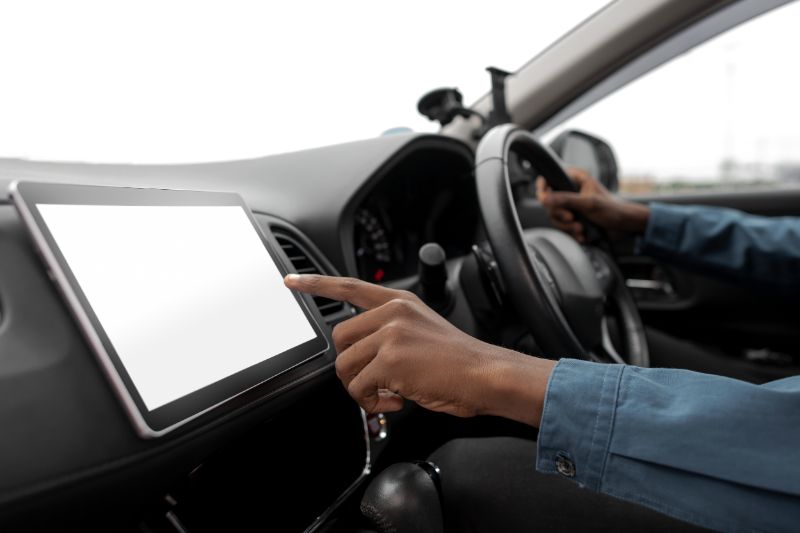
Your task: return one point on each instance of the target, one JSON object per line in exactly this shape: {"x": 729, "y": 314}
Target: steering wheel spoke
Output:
{"x": 603, "y": 270}
{"x": 608, "y": 345}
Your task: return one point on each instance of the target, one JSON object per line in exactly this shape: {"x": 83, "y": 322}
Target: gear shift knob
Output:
{"x": 404, "y": 498}
{"x": 433, "y": 275}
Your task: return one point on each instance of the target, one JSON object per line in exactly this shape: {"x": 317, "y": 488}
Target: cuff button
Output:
{"x": 565, "y": 466}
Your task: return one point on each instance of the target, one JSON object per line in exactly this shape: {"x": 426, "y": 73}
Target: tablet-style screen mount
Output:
{"x": 179, "y": 293}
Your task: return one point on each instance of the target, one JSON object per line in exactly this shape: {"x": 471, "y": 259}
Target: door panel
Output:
{"x": 744, "y": 323}
{"x": 771, "y": 202}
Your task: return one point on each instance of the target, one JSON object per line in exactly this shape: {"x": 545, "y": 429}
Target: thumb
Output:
{"x": 582, "y": 178}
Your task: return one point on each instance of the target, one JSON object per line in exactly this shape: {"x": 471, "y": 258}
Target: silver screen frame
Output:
{"x": 88, "y": 328}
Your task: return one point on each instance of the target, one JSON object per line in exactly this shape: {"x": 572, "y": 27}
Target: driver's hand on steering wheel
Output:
{"x": 399, "y": 348}
{"x": 594, "y": 202}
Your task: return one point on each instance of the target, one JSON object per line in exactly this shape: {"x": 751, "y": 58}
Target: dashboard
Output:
{"x": 68, "y": 453}
{"x": 428, "y": 197}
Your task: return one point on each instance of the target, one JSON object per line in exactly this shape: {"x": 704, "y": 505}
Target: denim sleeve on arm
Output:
{"x": 753, "y": 250}
{"x": 710, "y": 450}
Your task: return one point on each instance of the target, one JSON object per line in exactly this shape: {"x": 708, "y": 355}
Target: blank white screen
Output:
{"x": 188, "y": 295}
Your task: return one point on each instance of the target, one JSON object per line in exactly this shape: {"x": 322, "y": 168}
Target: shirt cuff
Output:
{"x": 664, "y": 229}
{"x": 578, "y": 420}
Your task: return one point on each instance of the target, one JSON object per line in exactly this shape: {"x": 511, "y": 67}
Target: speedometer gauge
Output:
{"x": 373, "y": 251}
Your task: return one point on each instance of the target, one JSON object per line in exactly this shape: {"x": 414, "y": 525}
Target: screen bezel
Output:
{"x": 214, "y": 397}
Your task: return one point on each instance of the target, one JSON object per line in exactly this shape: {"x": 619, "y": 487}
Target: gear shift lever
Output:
{"x": 404, "y": 498}
{"x": 433, "y": 276}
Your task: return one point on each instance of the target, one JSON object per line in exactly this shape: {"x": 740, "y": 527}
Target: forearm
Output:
{"x": 707, "y": 449}
{"x": 634, "y": 218}
{"x": 747, "y": 249}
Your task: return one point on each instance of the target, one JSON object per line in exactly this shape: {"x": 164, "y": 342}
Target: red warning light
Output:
{"x": 378, "y": 276}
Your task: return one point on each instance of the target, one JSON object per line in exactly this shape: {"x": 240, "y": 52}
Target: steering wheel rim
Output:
{"x": 519, "y": 255}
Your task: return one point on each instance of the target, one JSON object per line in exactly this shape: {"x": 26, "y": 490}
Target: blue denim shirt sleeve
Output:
{"x": 762, "y": 252}
{"x": 718, "y": 452}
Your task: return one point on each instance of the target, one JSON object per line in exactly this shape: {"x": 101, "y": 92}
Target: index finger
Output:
{"x": 359, "y": 293}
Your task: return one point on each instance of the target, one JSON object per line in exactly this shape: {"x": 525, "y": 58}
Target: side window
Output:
{"x": 725, "y": 115}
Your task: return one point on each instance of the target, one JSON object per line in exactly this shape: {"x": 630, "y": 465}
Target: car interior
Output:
{"x": 451, "y": 216}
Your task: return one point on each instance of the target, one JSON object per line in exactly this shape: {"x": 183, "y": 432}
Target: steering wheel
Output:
{"x": 566, "y": 294}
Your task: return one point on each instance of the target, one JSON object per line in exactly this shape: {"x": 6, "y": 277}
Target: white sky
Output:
{"x": 175, "y": 81}
{"x": 180, "y": 80}
{"x": 733, "y": 97}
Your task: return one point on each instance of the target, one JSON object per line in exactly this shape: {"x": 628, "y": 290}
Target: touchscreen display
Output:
{"x": 187, "y": 295}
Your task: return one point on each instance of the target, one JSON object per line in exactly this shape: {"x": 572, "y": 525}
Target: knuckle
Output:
{"x": 391, "y": 355}
{"x": 339, "y": 366}
{"x": 390, "y": 330}
{"x": 407, "y": 296}
{"x": 361, "y": 394}
{"x": 369, "y": 403}
{"x": 338, "y": 335}
{"x": 342, "y": 363}
{"x": 413, "y": 299}
{"x": 353, "y": 390}
{"x": 405, "y": 302}
{"x": 390, "y": 358}
{"x": 394, "y": 331}
{"x": 401, "y": 305}
{"x": 311, "y": 281}
{"x": 350, "y": 285}
{"x": 395, "y": 303}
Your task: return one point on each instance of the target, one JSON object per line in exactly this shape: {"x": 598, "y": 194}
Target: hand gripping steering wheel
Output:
{"x": 566, "y": 294}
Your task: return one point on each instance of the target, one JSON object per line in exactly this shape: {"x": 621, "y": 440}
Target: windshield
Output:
{"x": 190, "y": 81}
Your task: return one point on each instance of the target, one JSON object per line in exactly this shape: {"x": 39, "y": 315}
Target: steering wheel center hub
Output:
{"x": 578, "y": 291}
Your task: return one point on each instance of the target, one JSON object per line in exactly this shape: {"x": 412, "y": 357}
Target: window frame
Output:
{"x": 706, "y": 29}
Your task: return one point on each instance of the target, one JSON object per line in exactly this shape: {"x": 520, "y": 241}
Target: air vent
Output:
{"x": 304, "y": 264}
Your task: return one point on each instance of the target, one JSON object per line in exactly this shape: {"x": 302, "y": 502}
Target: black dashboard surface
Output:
{"x": 316, "y": 190}
{"x": 61, "y": 425}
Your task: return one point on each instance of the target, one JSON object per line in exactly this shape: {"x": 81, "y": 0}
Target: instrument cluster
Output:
{"x": 426, "y": 199}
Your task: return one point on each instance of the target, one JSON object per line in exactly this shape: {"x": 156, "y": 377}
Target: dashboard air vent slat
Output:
{"x": 304, "y": 264}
